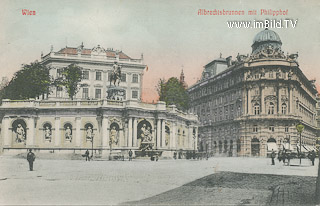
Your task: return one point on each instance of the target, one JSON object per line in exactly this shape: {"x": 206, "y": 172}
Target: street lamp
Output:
{"x": 92, "y": 145}
{"x": 300, "y": 128}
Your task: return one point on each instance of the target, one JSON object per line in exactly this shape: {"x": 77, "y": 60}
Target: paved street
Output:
{"x": 115, "y": 182}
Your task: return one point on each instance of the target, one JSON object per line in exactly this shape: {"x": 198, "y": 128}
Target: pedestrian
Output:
{"x": 175, "y": 155}
{"x": 284, "y": 156}
{"x": 312, "y": 157}
{"x": 273, "y": 155}
{"x": 87, "y": 155}
{"x": 130, "y": 155}
{"x": 31, "y": 157}
{"x": 280, "y": 155}
{"x": 157, "y": 157}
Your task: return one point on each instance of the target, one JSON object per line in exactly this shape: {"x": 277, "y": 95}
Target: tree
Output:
{"x": 173, "y": 92}
{"x": 31, "y": 81}
{"x": 71, "y": 77}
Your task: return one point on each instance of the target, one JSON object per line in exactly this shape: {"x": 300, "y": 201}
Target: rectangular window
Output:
{"x": 286, "y": 129}
{"x": 271, "y": 128}
{"x": 98, "y": 75}
{"x": 85, "y": 93}
{"x": 123, "y": 77}
{"x": 85, "y": 74}
{"x": 134, "y": 95}
{"x": 255, "y": 128}
{"x": 134, "y": 78}
{"x": 98, "y": 94}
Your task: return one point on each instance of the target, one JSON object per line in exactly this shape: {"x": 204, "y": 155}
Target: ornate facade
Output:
{"x": 94, "y": 120}
{"x": 97, "y": 68}
{"x": 102, "y": 124}
{"x": 250, "y": 106}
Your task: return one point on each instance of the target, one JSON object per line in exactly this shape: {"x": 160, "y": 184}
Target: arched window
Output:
{"x": 284, "y": 108}
{"x": 271, "y": 108}
{"x": 256, "y": 109}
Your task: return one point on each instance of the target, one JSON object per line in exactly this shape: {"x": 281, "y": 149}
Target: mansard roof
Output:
{"x": 85, "y": 51}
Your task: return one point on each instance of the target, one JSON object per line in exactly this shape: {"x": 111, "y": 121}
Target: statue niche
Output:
{"x": 114, "y": 134}
{"x": 19, "y": 128}
{"x": 47, "y": 128}
{"x": 89, "y": 131}
{"x": 68, "y": 132}
{"x": 167, "y": 139}
{"x": 145, "y": 135}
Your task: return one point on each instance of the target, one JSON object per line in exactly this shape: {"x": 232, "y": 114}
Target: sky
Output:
{"x": 170, "y": 34}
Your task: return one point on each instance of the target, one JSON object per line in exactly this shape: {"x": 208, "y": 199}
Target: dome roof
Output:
{"x": 266, "y": 35}
{"x": 266, "y": 38}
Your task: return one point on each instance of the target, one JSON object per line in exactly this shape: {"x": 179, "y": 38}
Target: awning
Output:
{"x": 302, "y": 149}
{"x": 287, "y": 146}
{"x": 272, "y": 146}
{"x": 309, "y": 148}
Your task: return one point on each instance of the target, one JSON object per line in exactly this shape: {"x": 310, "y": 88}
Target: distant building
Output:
{"x": 97, "y": 66}
{"x": 182, "y": 81}
{"x": 250, "y": 106}
{"x": 318, "y": 122}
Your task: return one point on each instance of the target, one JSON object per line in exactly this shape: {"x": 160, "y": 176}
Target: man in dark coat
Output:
{"x": 31, "y": 157}
{"x": 130, "y": 155}
{"x": 87, "y": 155}
{"x": 312, "y": 157}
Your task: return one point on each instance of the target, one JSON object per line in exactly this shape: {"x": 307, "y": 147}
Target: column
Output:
{"x": 262, "y": 106}
{"x": 30, "y": 134}
{"x": 5, "y": 132}
{"x": 279, "y": 101}
{"x": 190, "y": 138}
{"x": 130, "y": 132}
{"x": 291, "y": 105}
{"x": 105, "y": 132}
{"x": 158, "y": 133}
{"x": 196, "y": 141}
{"x": 121, "y": 138}
{"x": 78, "y": 132}
{"x": 174, "y": 135}
{"x": 134, "y": 136}
{"x": 234, "y": 149}
{"x": 57, "y": 137}
{"x": 171, "y": 136}
{"x": 249, "y": 102}
{"x": 163, "y": 133}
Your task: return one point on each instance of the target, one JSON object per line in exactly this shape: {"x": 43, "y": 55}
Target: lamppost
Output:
{"x": 92, "y": 145}
{"x": 300, "y": 128}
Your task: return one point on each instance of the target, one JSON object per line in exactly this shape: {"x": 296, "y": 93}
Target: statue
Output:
{"x": 47, "y": 133}
{"x": 21, "y": 134}
{"x": 89, "y": 133}
{"x": 116, "y": 74}
{"x": 113, "y": 136}
{"x": 68, "y": 134}
{"x": 167, "y": 137}
{"x": 146, "y": 138}
{"x": 143, "y": 131}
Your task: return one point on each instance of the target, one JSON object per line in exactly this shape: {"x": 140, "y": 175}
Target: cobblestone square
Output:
{"x": 58, "y": 182}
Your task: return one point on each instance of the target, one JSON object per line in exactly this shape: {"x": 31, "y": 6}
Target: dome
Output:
{"x": 266, "y": 38}
{"x": 267, "y": 35}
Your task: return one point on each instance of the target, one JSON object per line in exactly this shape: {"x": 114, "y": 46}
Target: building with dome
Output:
{"x": 56, "y": 124}
{"x": 251, "y": 105}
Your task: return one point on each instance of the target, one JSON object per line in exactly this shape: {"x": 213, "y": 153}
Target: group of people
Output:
{"x": 283, "y": 156}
